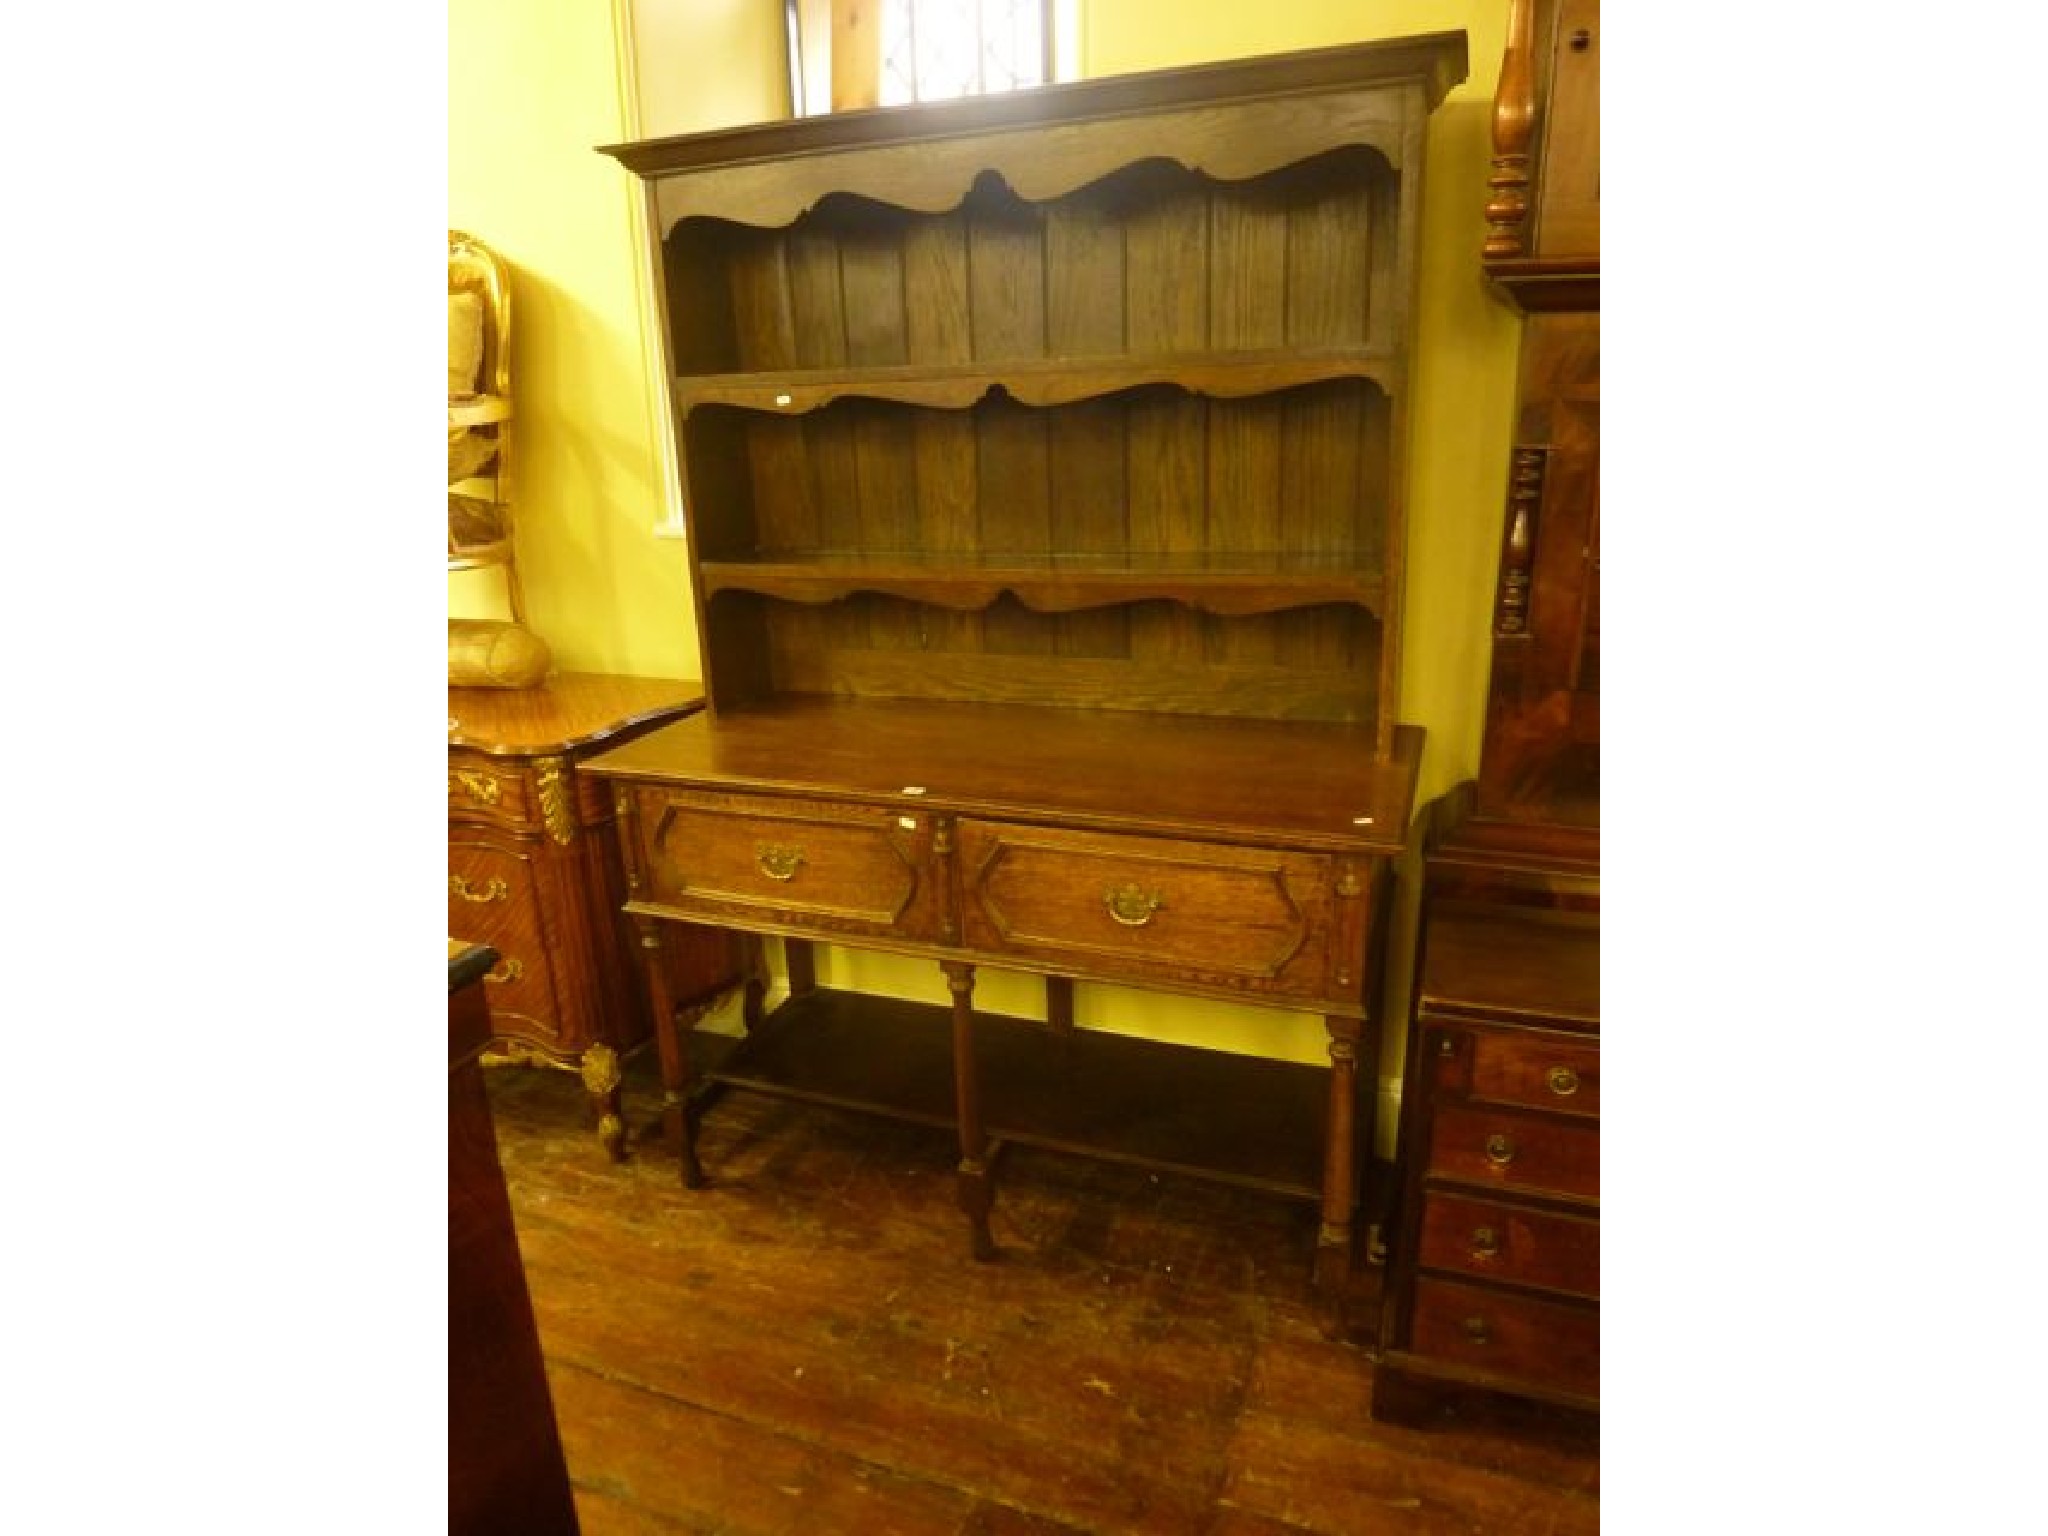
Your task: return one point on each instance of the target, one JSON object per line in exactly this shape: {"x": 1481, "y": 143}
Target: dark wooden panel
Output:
{"x": 1006, "y": 273}
{"x": 763, "y": 316}
{"x": 807, "y": 663}
{"x": 817, "y": 304}
{"x": 505, "y": 1463}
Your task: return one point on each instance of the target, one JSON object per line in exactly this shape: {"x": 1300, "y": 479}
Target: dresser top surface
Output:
{"x": 1309, "y": 783}
{"x": 1511, "y": 963}
{"x": 568, "y": 711}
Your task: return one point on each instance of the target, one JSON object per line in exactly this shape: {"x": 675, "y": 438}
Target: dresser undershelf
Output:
{"x": 1250, "y": 1122}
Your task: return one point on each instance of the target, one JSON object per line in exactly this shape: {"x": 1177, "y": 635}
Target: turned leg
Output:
{"x": 1340, "y": 1157}
{"x": 977, "y": 1189}
{"x": 678, "y": 1111}
{"x": 601, "y": 1079}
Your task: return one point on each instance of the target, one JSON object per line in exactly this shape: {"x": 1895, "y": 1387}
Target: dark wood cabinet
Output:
{"x": 1045, "y": 465}
{"x": 1493, "y": 1267}
{"x": 505, "y": 1465}
{"x": 534, "y": 872}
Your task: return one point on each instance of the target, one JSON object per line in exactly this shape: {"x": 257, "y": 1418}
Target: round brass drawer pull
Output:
{"x": 777, "y": 862}
{"x": 506, "y": 970}
{"x": 1500, "y": 1150}
{"x": 1485, "y": 1243}
{"x": 1564, "y": 1082}
{"x": 1131, "y": 906}
{"x": 493, "y": 889}
{"x": 1477, "y": 1329}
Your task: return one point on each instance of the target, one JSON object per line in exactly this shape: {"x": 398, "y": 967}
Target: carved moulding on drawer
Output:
{"x": 792, "y": 861}
{"x": 1227, "y": 913}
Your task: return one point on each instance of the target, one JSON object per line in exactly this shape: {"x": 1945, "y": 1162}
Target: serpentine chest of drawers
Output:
{"x": 534, "y": 873}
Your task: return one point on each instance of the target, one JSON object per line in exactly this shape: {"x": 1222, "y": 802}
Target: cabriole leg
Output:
{"x": 601, "y": 1078}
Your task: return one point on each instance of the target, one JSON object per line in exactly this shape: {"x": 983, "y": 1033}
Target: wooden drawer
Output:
{"x": 493, "y": 898}
{"x": 1554, "y": 1343}
{"x": 806, "y": 865}
{"x": 489, "y": 789}
{"x": 1245, "y": 918}
{"x": 1510, "y": 1150}
{"x": 1497, "y": 1241}
{"x": 1539, "y": 1069}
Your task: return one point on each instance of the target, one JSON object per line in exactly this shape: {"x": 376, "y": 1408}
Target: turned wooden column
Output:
{"x": 1340, "y": 1156}
{"x": 977, "y": 1189}
{"x": 671, "y": 1039}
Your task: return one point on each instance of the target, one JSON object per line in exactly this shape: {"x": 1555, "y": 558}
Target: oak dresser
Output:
{"x": 1045, "y": 473}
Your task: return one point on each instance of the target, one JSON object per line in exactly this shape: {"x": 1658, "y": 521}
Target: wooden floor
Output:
{"x": 806, "y": 1346}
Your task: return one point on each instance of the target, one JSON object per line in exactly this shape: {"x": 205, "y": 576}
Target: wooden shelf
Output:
{"x": 1039, "y": 382}
{"x": 1227, "y": 584}
{"x": 1245, "y": 1121}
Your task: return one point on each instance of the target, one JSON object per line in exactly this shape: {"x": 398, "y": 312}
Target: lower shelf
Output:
{"x": 1239, "y": 1120}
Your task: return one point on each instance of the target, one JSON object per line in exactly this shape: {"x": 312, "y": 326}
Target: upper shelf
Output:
{"x": 1037, "y": 382}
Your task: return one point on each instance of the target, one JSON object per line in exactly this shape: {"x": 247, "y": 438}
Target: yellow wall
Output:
{"x": 534, "y": 84}
{"x": 533, "y": 87}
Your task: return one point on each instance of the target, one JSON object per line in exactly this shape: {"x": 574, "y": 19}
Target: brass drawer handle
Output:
{"x": 479, "y": 786}
{"x": 776, "y": 861}
{"x": 508, "y": 970}
{"x": 494, "y": 889}
{"x": 1477, "y": 1329}
{"x": 1131, "y": 906}
{"x": 1564, "y": 1082}
{"x": 1500, "y": 1150}
{"x": 1485, "y": 1243}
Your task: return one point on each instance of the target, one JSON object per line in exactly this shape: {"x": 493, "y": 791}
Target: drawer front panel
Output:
{"x": 484, "y": 788}
{"x": 1496, "y": 1241}
{"x": 801, "y": 864}
{"x": 1546, "y": 1343}
{"x": 493, "y": 898}
{"x": 1513, "y": 1151}
{"x": 1537, "y": 1069}
{"x": 1244, "y": 918}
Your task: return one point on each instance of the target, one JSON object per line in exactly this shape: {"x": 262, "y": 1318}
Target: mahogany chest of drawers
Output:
{"x": 534, "y": 873}
{"x": 1494, "y": 1273}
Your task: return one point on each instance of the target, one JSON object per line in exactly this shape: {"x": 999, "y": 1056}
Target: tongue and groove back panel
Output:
{"x": 1092, "y": 395}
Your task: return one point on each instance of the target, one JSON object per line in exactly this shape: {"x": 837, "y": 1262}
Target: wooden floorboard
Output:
{"x": 806, "y": 1346}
